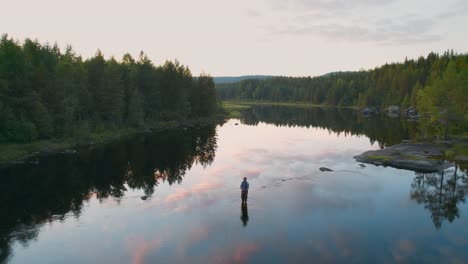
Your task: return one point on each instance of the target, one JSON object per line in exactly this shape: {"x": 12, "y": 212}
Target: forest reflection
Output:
{"x": 32, "y": 194}
{"x": 382, "y": 129}
{"x": 441, "y": 194}
{"x": 55, "y": 187}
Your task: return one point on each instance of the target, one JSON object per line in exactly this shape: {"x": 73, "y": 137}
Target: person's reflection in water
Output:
{"x": 245, "y": 214}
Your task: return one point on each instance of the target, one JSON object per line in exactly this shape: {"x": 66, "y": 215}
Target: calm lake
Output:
{"x": 173, "y": 197}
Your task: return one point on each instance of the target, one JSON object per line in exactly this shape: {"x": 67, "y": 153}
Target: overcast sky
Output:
{"x": 239, "y": 37}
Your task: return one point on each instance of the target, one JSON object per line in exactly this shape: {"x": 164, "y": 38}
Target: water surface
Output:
{"x": 173, "y": 197}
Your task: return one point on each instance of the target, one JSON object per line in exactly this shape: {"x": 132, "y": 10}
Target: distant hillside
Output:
{"x": 402, "y": 84}
{"x": 334, "y": 73}
{"x": 233, "y": 79}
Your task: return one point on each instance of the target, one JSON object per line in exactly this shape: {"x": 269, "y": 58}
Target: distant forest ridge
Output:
{"x": 233, "y": 79}
{"x": 390, "y": 84}
{"x": 46, "y": 93}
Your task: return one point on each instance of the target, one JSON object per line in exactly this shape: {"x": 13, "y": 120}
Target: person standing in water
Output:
{"x": 244, "y": 190}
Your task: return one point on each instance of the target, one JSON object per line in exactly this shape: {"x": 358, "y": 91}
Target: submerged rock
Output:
{"x": 325, "y": 169}
{"x": 421, "y": 157}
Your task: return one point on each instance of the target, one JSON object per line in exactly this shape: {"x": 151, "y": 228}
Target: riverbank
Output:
{"x": 19, "y": 152}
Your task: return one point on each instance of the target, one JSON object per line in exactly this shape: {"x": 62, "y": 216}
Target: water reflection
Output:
{"x": 32, "y": 194}
{"x": 327, "y": 217}
{"x": 245, "y": 214}
{"x": 441, "y": 194}
{"x": 381, "y": 129}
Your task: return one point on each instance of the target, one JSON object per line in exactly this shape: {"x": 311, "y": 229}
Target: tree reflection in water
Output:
{"x": 33, "y": 194}
{"x": 382, "y": 129}
{"x": 441, "y": 193}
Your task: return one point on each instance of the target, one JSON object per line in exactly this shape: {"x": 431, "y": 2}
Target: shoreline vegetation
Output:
{"x": 52, "y": 99}
{"x": 12, "y": 153}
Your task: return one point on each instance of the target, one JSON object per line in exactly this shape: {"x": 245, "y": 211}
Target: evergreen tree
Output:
{"x": 45, "y": 93}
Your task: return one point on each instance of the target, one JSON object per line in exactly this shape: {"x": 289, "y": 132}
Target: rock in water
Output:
{"x": 420, "y": 157}
{"x": 325, "y": 169}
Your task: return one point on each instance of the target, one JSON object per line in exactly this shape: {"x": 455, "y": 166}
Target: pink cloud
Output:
{"x": 216, "y": 171}
{"x": 179, "y": 194}
{"x": 251, "y": 173}
{"x": 180, "y": 208}
{"x": 141, "y": 247}
{"x": 196, "y": 190}
{"x": 205, "y": 186}
{"x": 240, "y": 254}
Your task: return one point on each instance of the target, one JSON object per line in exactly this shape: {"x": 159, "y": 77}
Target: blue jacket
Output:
{"x": 244, "y": 186}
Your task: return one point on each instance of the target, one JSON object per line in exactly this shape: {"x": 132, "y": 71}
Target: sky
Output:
{"x": 247, "y": 37}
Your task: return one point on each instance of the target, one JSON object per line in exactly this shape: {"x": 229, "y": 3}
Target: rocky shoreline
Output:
{"x": 420, "y": 157}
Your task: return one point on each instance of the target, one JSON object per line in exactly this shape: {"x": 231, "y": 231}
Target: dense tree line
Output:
{"x": 46, "y": 93}
{"x": 390, "y": 84}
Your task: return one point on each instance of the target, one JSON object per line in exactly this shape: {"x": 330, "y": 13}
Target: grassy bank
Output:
{"x": 10, "y": 152}
{"x": 232, "y": 109}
